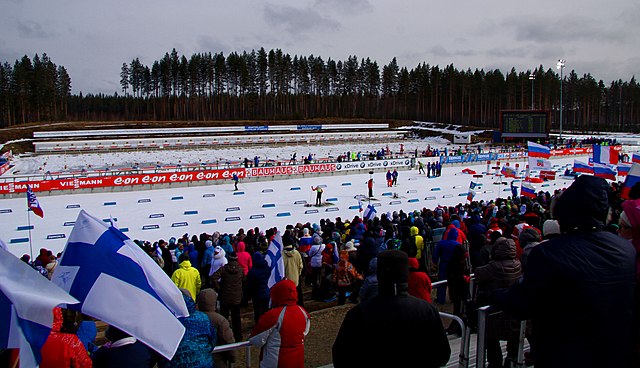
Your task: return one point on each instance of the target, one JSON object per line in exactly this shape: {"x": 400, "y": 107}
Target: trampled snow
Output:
{"x": 173, "y": 212}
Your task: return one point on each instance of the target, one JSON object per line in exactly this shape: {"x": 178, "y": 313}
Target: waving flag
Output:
{"x": 605, "y": 154}
{"x": 118, "y": 283}
{"x": 538, "y": 150}
{"x": 632, "y": 178}
{"x": 582, "y": 167}
{"x": 369, "y": 213}
{"x": 604, "y": 171}
{"x": 274, "y": 260}
{"x": 360, "y": 205}
{"x": 33, "y": 203}
{"x": 26, "y": 303}
{"x": 635, "y": 158}
{"x": 623, "y": 169}
{"x": 472, "y": 192}
{"x": 527, "y": 190}
{"x": 508, "y": 172}
{"x": 536, "y": 163}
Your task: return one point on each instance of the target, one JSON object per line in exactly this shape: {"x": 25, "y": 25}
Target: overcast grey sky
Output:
{"x": 93, "y": 38}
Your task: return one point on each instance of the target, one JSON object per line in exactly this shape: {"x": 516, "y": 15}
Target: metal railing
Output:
{"x": 483, "y": 317}
{"x": 237, "y": 346}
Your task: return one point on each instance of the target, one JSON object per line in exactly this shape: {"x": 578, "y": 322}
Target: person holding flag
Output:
{"x": 115, "y": 280}
{"x": 514, "y": 189}
{"x": 472, "y": 192}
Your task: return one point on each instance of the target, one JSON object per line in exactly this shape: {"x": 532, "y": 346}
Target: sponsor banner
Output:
{"x": 4, "y": 168}
{"x": 309, "y": 127}
{"x": 290, "y": 170}
{"x": 120, "y": 181}
{"x": 516, "y": 154}
{"x": 502, "y": 155}
{"x": 259, "y": 128}
{"x": 454, "y": 159}
{"x": 483, "y": 157}
{"x": 377, "y": 164}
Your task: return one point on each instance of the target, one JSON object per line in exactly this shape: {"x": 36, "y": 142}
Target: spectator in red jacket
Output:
{"x": 419, "y": 282}
{"x": 284, "y": 346}
{"x": 63, "y": 348}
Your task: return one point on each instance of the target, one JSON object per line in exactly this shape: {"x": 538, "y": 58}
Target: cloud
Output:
{"x": 518, "y": 52}
{"x": 207, "y": 43}
{"x": 347, "y": 7}
{"x": 31, "y": 29}
{"x": 575, "y": 28}
{"x": 441, "y": 51}
{"x": 298, "y": 20}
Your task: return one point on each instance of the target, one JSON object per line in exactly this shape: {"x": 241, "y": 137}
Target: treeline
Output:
{"x": 273, "y": 85}
{"x": 35, "y": 90}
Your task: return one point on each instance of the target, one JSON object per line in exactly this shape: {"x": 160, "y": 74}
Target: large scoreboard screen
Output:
{"x": 525, "y": 123}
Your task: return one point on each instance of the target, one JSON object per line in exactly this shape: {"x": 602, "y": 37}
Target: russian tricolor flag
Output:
{"x": 508, "y": 172}
{"x": 581, "y": 167}
{"x": 538, "y": 150}
{"x": 605, "y": 154}
{"x": 632, "y": 178}
{"x": 623, "y": 169}
{"x": 635, "y": 158}
{"x": 527, "y": 190}
{"x": 604, "y": 171}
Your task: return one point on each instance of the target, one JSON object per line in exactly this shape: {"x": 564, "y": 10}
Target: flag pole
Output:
{"x": 29, "y": 227}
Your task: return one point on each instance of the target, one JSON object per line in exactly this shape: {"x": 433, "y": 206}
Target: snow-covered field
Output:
{"x": 162, "y": 213}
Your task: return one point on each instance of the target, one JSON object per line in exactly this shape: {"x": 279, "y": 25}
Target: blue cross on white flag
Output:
{"x": 26, "y": 308}
{"x": 118, "y": 283}
{"x": 274, "y": 260}
{"x": 369, "y": 212}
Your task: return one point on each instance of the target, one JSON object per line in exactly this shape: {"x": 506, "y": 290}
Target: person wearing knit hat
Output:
{"x": 406, "y": 324}
{"x": 550, "y": 229}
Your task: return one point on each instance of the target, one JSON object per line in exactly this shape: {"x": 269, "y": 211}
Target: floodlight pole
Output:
{"x": 560, "y": 65}
{"x": 532, "y": 77}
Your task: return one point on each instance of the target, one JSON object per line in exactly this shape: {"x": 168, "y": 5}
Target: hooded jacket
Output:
{"x": 285, "y": 348}
{"x": 413, "y": 231}
{"x": 187, "y": 277}
{"x": 444, "y": 251}
{"x": 63, "y": 350}
{"x": 193, "y": 254}
{"x": 292, "y": 264}
{"x": 194, "y": 350}
{"x": 207, "y": 304}
{"x": 419, "y": 283}
{"x": 228, "y": 281}
{"x": 369, "y": 288}
{"x": 219, "y": 259}
{"x": 244, "y": 258}
{"x": 345, "y": 273}
{"x": 316, "y": 252}
{"x": 207, "y": 257}
{"x": 578, "y": 288}
{"x": 501, "y": 272}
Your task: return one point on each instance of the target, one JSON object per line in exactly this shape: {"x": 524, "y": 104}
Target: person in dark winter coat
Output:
{"x": 442, "y": 256}
{"x": 406, "y": 325}
{"x": 257, "y": 280}
{"x": 529, "y": 237}
{"x": 369, "y": 288}
{"x": 123, "y": 351}
{"x": 501, "y": 272}
{"x": 578, "y": 288}
{"x": 207, "y": 304}
{"x": 198, "y": 340}
{"x": 228, "y": 282}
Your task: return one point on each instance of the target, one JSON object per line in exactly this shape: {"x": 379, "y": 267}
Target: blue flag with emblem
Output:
{"x": 274, "y": 260}
{"x": 118, "y": 283}
{"x": 26, "y": 308}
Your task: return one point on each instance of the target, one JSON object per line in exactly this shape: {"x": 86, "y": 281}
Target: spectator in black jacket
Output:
{"x": 390, "y": 329}
{"x": 578, "y": 288}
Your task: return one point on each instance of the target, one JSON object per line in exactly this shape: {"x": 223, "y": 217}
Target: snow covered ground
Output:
{"x": 173, "y": 212}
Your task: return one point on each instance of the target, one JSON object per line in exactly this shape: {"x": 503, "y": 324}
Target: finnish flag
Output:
{"x": 118, "y": 283}
{"x": 274, "y": 260}
{"x": 26, "y": 308}
{"x": 369, "y": 212}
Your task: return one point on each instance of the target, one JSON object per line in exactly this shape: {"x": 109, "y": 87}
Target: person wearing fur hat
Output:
{"x": 404, "y": 324}
{"x": 578, "y": 288}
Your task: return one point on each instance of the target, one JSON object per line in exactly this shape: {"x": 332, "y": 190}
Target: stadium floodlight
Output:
{"x": 532, "y": 77}
{"x": 560, "y": 66}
